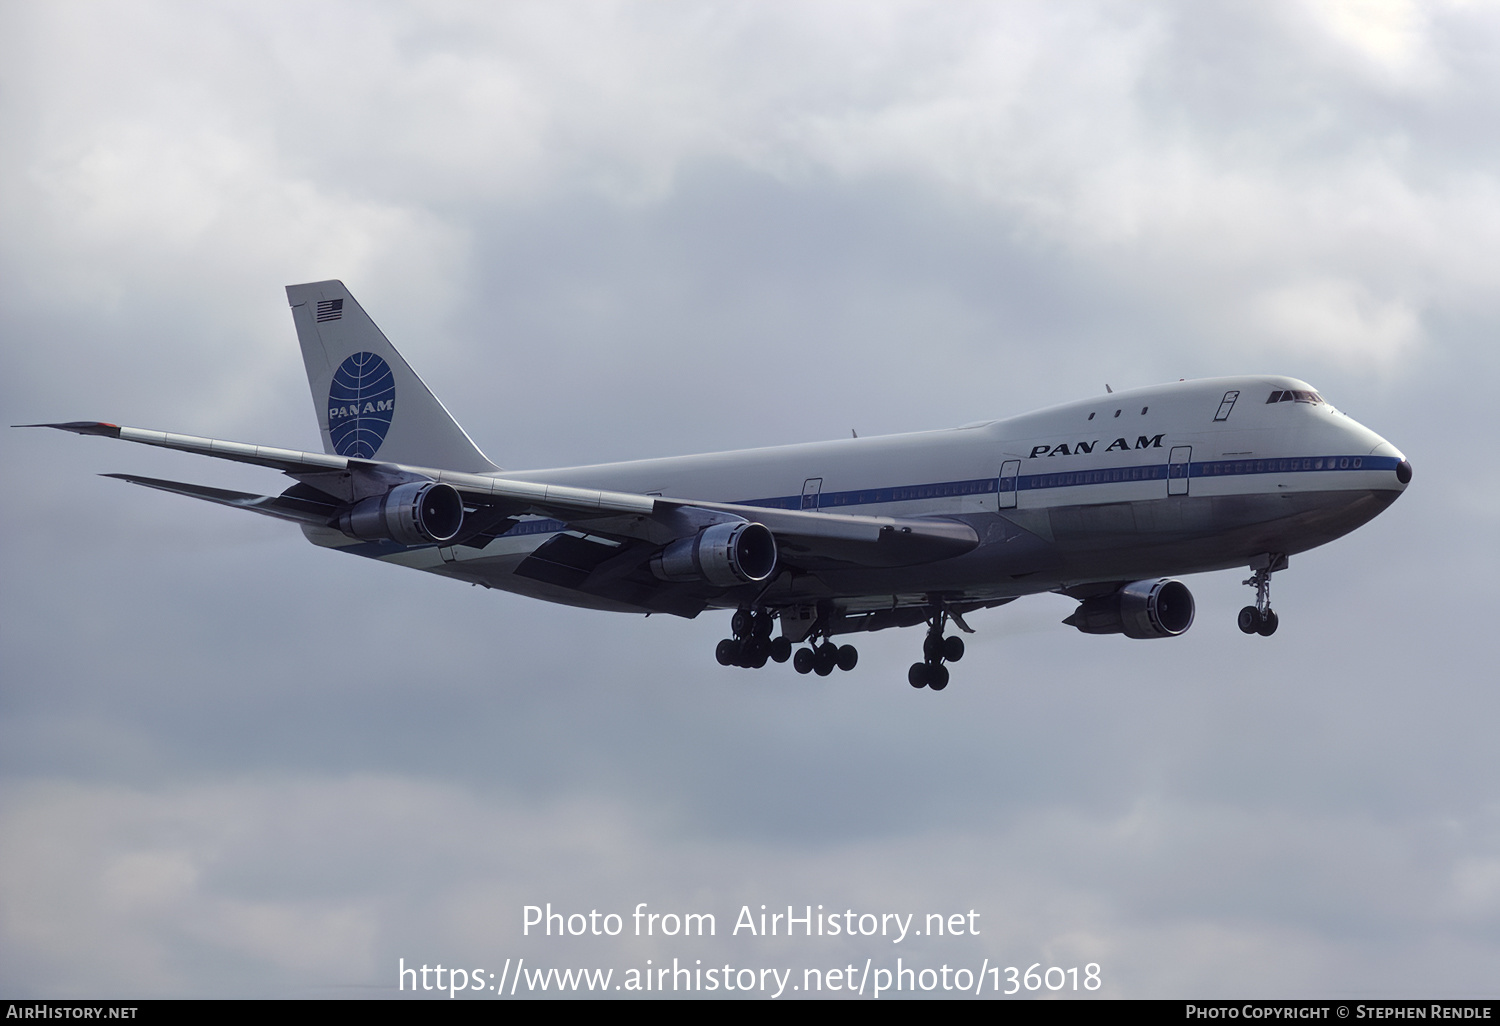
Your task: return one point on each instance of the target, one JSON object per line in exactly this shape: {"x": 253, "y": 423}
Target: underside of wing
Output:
{"x": 304, "y": 506}
{"x": 812, "y": 540}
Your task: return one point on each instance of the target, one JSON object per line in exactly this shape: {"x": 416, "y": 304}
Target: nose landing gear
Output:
{"x": 1261, "y": 618}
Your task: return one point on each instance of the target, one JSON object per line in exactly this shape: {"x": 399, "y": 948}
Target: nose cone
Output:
{"x": 1392, "y": 469}
{"x": 1392, "y": 457}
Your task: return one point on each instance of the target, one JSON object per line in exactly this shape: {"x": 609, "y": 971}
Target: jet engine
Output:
{"x": 415, "y": 513}
{"x": 1142, "y": 609}
{"x": 724, "y": 555}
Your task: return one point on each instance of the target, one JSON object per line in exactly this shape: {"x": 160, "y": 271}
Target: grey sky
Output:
{"x": 234, "y": 764}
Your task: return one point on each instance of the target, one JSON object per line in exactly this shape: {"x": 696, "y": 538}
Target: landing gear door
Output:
{"x": 1178, "y": 465}
{"x": 1010, "y": 477}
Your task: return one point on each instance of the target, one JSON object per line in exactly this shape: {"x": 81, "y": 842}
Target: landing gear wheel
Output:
{"x": 741, "y": 623}
{"x": 781, "y": 650}
{"x": 802, "y": 662}
{"x": 1249, "y": 620}
{"x": 847, "y": 657}
{"x": 937, "y": 677}
{"x": 825, "y": 658}
{"x": 936, "y": 650}
{"x": 1268, "y": 624}
{"x": 932, "y": 647}
{"x": 728, "y": 652}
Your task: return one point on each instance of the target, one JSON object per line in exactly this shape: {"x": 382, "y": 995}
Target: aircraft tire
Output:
{"x": 847, "y": 657}
{"x": 1268, "y": 624}
{"x": 741, "y": 623}
{"x": 728, "y": 652}
{"x": 802, "y": 662}
{"x": 953, "y": 648}
{"x": 781, "y": 650}
{"x": 932, "y": 647}
{"x": 1249, "y": 620}
{"x": 917, "y": 675}
{"x": 937, "y": 677}
{"x": 825, "y": 658}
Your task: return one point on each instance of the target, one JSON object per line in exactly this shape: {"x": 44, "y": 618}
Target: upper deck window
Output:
{"x": 1294, "y": 395}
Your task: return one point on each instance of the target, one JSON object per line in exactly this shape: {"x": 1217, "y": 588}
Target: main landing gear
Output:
{"x": 1261, "y": 618}
{"x": 936, "y": 650}
{"x": 824, "y": 658}
{"x": 752, "y": 647}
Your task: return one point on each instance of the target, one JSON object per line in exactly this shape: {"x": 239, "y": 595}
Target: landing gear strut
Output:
{"x": 1261, "y": 618}
{"x": 936, "y": 650}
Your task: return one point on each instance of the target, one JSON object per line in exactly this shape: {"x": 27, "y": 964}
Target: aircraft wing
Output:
{"x": 300, "y": 509}
{"x": 322, "y": 471}
{"x": 807, "y": 540}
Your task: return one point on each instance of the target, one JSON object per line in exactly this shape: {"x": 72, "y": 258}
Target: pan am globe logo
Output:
{"x": 361, "y": 403}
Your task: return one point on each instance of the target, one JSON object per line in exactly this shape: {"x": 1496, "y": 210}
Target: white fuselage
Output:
{"x": 1171, "y": 479}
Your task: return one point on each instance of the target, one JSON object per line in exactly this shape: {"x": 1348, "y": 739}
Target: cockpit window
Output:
{"x": 1294, "y": 396}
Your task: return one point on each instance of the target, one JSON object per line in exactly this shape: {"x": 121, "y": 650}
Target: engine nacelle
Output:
{"x": 415, "y": 513}
{"x": 724, "y": 555}
{"x": 1142, "y": 609}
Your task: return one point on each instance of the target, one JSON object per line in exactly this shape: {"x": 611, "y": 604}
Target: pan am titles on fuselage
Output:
{"x": 1105, "y": 500}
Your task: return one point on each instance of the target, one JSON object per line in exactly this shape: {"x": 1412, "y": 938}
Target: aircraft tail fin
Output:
{"x": 370, "y": 403}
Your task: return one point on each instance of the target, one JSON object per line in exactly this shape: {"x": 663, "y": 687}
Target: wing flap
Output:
{"x": 817, "y": 539}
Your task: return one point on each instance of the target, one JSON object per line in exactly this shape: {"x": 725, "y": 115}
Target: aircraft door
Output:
{"x": 1179, "y": 463}
{"x": 1010, "y": 477}
{"x": 812, "y": 490}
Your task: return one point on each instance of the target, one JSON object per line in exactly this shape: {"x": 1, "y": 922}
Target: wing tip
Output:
{"x": 82, "y": 427}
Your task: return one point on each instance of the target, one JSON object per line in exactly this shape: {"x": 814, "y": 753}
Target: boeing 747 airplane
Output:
{"x": 1101, "y": 500}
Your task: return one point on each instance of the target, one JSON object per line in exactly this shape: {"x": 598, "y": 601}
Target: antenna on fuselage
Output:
{"x": 1107, "y": 388}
